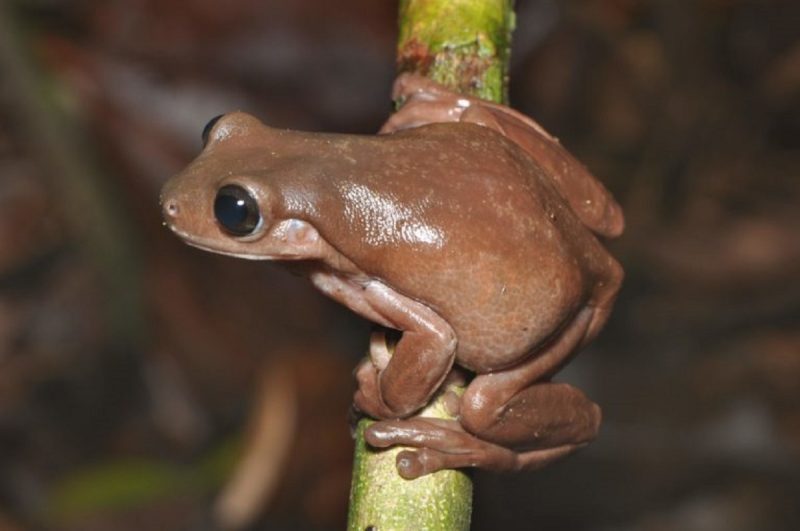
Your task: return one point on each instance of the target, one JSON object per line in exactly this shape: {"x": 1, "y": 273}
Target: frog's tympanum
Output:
{"x": 465, "y": 227}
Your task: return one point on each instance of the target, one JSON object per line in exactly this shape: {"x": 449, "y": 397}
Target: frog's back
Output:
{"x": 461, "y": 219}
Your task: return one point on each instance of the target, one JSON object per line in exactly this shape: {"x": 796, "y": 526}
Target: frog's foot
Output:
{"x": 443, "y": 444}
{"x": 418, "y": 113}
{"x": 368, "y": 397}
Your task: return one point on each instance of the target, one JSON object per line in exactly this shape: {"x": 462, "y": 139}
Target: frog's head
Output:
{"x": 224, "y": 203}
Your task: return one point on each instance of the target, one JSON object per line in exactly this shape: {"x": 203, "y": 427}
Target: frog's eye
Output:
{"x": 209, "y": 126}
{"x": 237, "y": 210}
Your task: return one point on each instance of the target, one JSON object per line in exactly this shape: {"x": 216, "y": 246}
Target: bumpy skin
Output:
{"x": 473, "y": 237}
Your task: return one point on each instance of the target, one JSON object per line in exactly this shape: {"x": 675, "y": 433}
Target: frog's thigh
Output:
{"x": 544, "y": 415}
{"x": 510, "y": 408}
{"x": 422, "y": 357}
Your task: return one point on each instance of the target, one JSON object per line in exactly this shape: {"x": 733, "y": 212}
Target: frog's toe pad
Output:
{"x": 412, "y": 464}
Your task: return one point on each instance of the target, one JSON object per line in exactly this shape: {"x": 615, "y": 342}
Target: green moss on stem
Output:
{"x": 463, "y": 44}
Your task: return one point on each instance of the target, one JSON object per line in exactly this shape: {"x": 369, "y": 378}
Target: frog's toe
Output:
{"x": 417, "y": 432}
{"x": 412, "y": 464}
{"x": 439, "y": 444}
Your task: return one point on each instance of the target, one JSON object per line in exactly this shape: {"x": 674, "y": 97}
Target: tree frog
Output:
{"x": 464, "y": 226}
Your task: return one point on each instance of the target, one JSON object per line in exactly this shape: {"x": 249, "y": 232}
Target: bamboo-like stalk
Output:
{"x": 381, "y": 500}
{"x": 463, "y": 44}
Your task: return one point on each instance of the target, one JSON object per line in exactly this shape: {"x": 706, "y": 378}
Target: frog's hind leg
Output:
{"x": 443, "y": 444}
{"x": 509, "y": 420}
{"x": 520, "y": 408}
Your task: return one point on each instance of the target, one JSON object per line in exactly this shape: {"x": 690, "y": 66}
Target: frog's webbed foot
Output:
{"x": 508, "y": 420}
{"x": 443, "y": 444}
{"x": 423, "y": 102}
{"x": 419, "y": 112}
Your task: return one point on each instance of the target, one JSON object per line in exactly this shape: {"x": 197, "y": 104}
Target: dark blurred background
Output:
{"x": 147, "y": 385}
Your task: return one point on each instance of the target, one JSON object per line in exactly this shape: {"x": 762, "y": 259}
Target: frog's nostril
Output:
{"x": 171, "y": 208}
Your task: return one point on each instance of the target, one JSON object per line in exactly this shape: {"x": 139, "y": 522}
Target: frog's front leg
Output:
{"x": 509, "y": 420}
{"x": 395, "y": 387}
{"x": 420, "y": 362}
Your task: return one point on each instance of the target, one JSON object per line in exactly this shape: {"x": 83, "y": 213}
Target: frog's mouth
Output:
{"x": 212, "y": 246}
{"x": 207, "y": 244}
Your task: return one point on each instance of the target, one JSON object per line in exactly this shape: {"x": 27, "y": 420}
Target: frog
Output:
{"x": 465, "y": 228}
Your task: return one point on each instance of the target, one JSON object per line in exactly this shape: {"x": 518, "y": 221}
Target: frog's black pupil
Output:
{"x": 209, "y": 126}
{"x": 236, "y": 210}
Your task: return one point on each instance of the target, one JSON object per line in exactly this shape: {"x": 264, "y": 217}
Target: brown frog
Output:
{"x": 464, "y": 226}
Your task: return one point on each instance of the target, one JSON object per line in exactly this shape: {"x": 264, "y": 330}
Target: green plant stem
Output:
{"x": 381, "y": 500}
{"x": 463, "y": 44}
